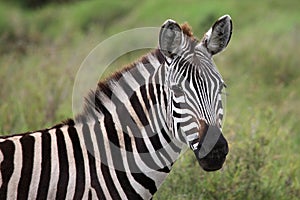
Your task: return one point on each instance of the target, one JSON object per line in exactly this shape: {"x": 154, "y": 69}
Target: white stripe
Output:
{"x": 85, "y": 161}
{"x": 195, "y": 145}
{"x": 72, "y": 164}
{"x": 54, "y": 166}
{"x": 143, "y": 71}
{"x": 180, "y": 99}
{"x": 15, "y": 177}
{"x": 128, "y": 78}
{"x": 1, "y": 159}
{"x": 37, "y": 161}
{"x": 153, "y": 61}
{"x": 93, "y": 194}
{"x": 192, "y": 137}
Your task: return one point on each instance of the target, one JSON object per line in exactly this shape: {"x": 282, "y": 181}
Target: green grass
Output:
{"x": 41, "y": 51}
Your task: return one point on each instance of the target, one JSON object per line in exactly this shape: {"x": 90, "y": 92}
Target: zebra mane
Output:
{"x": 92, "y": 103}
{"x": 187, "y": 30}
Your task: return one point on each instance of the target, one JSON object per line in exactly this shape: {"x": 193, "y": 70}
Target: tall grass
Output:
{"x": 41, "y": 50}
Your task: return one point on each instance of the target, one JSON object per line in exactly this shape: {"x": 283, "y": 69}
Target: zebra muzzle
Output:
{"x": 212, "y": 149}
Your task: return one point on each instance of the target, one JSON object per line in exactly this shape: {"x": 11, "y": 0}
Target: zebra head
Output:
{"x": 194, "y": 88}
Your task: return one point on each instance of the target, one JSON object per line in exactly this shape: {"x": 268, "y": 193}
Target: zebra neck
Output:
{"x": 137, "y": 92}
{"x": 124, "y": 122}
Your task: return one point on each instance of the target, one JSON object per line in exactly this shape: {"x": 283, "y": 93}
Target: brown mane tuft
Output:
{"x": 187, "y": 29}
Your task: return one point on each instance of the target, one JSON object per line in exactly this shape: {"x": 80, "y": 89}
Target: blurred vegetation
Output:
{"x": 34, "y": 4}
{"x": 42, "y": 48}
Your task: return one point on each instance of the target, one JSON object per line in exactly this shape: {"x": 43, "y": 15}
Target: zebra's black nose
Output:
{"x": 212, "y": 150}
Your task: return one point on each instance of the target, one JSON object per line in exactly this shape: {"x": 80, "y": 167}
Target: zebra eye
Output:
{"x": 222, "y": 89}
{"x": 177, "y": 89}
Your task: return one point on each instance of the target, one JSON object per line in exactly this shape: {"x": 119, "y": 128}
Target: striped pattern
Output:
{"x": 195, "y": 89}
{"x": 74, "y": 160}
{"x": 126, "y": 140}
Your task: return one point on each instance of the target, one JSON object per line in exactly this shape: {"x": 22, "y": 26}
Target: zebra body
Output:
{"x": 132, "y": 130}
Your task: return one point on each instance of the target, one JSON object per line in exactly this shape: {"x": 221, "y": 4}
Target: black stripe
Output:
{"x": 165, "y": 98}
{"x": 63, "y": 166}
{"x": 141, "y": 146}
{"x": 145, "y": 181}
{"x": 111, "y": 130}
{"x": 164, "y": 133}
{"x": 147, "y": 65}
{"x": 157, "y": 86}
{"x": 79, "y": 162}
{"x": 105, "y": 89}
{"x": 90, "y": 195}
{"x": 165, "y": 169}
{"x": 127, "y": 187}
{"x": 110, "y": 183}
{"x": 138, "y": 77}
{"x": 157, "y": 54}
{"x": 46, "y": 166}
{"x": 94, "y": 179}
{"x": 27, "y": 143}
{"x": 152, "y": 94}
{"x": 155, "y": 141}
{"x": 7, "y": 166}
{"x": 127, "y": 141}
{"x": 143, "y": 92}
{"x": 135, "y": 103}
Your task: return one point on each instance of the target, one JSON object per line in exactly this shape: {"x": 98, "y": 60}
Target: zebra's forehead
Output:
{"x": 199, "y": 63}
{"x": 211, "y": 70}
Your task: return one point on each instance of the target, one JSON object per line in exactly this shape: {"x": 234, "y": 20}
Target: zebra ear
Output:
{"x": 218, "y": 36}
{"x": 170, "y": 37}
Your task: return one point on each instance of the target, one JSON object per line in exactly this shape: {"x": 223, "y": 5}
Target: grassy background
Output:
{"x": 42, "y": 48}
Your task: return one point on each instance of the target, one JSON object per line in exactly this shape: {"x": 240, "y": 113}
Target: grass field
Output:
{"x": 42, "y": 49}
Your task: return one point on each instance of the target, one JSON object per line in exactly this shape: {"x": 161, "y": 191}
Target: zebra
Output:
{"x": 132, "y": 129}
